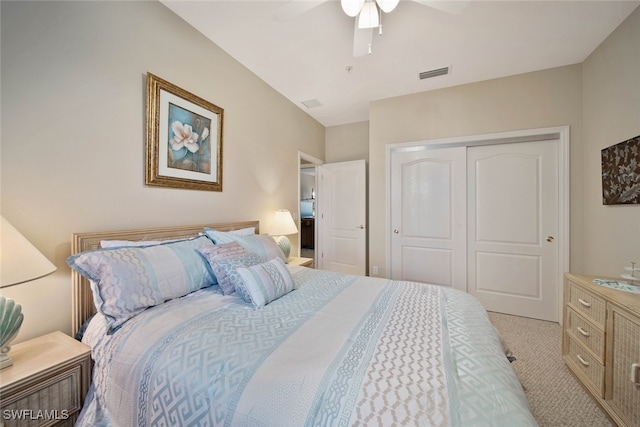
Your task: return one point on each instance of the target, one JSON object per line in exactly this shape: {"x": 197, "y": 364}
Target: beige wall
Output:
{"x": 534, "y": 100}
{"x": 611, "y": 94}
{"x": 347, "y": 142}
{"x": 72, "y": 154}
{"x": 599, "y": 100}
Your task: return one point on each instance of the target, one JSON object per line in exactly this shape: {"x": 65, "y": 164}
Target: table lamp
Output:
{"x": 281, "y": 226}
{"x": 20, "y": 262}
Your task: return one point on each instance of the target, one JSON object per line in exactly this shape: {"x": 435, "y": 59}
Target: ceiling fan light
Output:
{"x": 387, "y": 5}
{"x": 368, "y": 16}
{"x": 351, "y": 7}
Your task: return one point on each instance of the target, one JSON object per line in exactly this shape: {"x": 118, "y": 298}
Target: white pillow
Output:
{"x": 127, "y": 243}
{"x": 136, "y": 243}
{"x": 244, "y": 231}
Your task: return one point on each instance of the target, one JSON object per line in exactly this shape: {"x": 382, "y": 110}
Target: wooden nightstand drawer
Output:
{"x": 586, "y": 333}
{"x": 588, "y": 304}
{"x": 586, "y": 367}
{"x": 47, "y": 383}
{"x": 59, "y": 396}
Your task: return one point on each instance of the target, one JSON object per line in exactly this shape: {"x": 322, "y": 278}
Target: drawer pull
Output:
{"x": 583, "y": 302}
{"x": 583, "y": 332}
{"x": 584, "y": 362}
{"x": 635, "y": 373}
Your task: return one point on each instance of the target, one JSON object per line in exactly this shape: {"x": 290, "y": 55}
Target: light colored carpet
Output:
{"x": 555, "y": 396}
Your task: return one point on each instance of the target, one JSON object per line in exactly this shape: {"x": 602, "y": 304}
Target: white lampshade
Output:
{"x": 283, "y": 224}
{"x": 20, "y": 261}
{"x": 368, "y": 16}
{"x": 351, "y": 7}
{"x": 387, "y": 5}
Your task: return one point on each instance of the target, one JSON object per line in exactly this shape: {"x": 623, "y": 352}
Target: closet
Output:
{"x": 483, "y": 215}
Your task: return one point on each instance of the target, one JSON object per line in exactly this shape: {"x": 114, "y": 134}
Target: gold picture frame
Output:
{"x": 184, "y": 138}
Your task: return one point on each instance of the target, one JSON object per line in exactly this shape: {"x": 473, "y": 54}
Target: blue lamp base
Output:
{"x": 10, "y": 321}
{"x": 285, "y": 245}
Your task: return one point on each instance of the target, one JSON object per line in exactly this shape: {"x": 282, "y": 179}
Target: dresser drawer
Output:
{"x": 585, "y": 366}
{"x": 587, "y": 303}
{"x": 585, "y": 333}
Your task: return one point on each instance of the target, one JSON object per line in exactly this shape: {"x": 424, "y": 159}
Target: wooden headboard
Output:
{"x": 82, "y": 297}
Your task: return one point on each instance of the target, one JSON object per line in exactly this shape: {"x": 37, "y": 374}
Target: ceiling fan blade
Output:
{"x": 362, "y": 39}
{"x": 449, "y": 6}
{"x": 293, "y": 9}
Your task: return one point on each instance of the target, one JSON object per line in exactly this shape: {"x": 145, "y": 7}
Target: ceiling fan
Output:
{"x": 367, "y": 14}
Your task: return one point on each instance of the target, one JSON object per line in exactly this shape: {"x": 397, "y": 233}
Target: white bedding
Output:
{"x": 338, "y": 350}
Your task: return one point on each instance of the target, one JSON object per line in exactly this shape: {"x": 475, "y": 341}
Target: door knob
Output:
{"x": 361, "y": 227}
{"x": 550, "y": 239}
{"x": 396, "y": 231}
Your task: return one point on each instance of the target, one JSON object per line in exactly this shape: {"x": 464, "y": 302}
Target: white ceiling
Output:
{"x": 308, "y": 57}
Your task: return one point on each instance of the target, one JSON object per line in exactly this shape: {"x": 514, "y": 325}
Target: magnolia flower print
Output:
{"x": 184, "y": 136}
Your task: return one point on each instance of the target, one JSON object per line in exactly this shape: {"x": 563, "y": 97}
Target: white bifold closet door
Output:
{"x": 482, "y": 219}
{"x": 428, "y": 216}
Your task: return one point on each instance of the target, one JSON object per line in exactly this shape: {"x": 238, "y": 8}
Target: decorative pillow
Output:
{"x": 214, "y": 253}
{"x": 261, "y": 244}
{"x": 126, "y": 281}
{"x": 232, "y": 264}
{"x": 266, "y": 282}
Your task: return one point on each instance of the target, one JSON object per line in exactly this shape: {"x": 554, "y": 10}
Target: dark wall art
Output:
{"x": 621, "y": 173}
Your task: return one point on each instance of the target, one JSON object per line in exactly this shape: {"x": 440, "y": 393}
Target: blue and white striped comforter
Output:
{"x": 338, "y": 351}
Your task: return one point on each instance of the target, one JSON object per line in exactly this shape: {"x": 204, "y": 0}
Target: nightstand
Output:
{"x": 47, "y": 383}
{"x": 303, "y": 262}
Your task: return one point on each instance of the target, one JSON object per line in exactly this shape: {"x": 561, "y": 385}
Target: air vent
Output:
{"x": 310, "y": 103}
{"x": 434, "y": 73}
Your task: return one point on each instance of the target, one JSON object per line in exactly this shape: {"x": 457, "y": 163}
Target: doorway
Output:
{"x": 333, "y": 199}
{"x": 484, "y": 214}
{"x": 307, "y": 191}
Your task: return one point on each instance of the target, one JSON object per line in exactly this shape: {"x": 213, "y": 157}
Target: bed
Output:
{"x": 306, "y": 348}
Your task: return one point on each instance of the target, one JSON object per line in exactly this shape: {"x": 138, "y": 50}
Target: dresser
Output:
{"x": 601, "y": 344}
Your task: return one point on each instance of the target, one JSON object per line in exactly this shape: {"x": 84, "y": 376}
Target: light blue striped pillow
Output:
{"x": 261, "y": 244}
{"x": 127, "y": 280}
{"x": 266, "y": 282}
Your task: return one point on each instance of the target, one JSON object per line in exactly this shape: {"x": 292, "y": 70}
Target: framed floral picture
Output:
{"x": 184, "y": 138}
{"x": 621, "y": 173}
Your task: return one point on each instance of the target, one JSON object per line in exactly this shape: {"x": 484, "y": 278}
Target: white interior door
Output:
{"x": 428, "y": 215}
{"x": 513, "y": 261}
{"x": 341, "y": 217}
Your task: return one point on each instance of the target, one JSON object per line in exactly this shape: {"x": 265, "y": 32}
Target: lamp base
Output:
{"x": 5, "y": 360}
{"x": 284, "y": 244}
{"x": 10, "y": 321}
